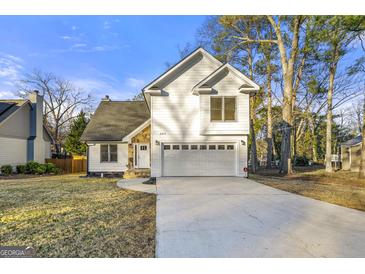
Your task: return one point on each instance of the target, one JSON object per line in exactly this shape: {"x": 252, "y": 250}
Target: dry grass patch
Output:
{"x": 69, "y": 216}
{"x": 340, "y": 188}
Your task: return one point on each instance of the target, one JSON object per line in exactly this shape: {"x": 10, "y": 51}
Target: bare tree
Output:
{"x": 62, "y": 101}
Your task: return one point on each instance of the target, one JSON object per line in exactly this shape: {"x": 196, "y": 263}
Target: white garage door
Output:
{"x": 218, "y": 159}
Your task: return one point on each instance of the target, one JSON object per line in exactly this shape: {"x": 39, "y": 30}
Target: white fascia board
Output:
{"x": 202, "y": 91}
{"x": 197, "y": 88}
{"x": 239, "y": 74}
{"x": 153, "y": 92}
{"x": 255, "y": 86}
{"x": 136, "y": 131}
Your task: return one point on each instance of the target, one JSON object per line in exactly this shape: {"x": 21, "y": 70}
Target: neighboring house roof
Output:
{"x": 114, "y": 120}
{"x": 353, "y": 142}
{"x": 8, "y": 107}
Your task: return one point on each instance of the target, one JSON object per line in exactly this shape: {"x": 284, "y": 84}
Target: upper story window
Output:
{"x": 223, "y": 108}
{"x": 109, "y": 153}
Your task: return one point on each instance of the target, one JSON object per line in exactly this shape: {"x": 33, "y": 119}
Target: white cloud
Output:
{"x": 11, "y": 68}
{"x": 7, "y": 95}
{"x": 99, "y": 48}
{"x": 79, "y": 45}
{"x": 106, "y": 25}
{"x": 66, "y": 37}
{"x": 85, "y": 48}
{"x": 74, "y": 28}
{"x": 135, "y": 83}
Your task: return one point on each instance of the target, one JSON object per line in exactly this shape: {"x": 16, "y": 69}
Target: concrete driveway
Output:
{"x": 236, "y": 217}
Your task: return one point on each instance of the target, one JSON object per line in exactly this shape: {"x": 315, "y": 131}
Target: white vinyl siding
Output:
{"x": 13, "y": 151}
{"x": 95, "y": 165}
{"x": 180, "y": 117}
{"x": 227, "y": 87}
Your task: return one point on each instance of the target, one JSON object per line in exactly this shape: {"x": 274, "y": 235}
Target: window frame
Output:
{"x": 185, "y": 147}
{"x": 109, "y": 153}
{"x": 194, "y": 147}
{"x": 210, "y": 147}
{"x": 219, "y": 147}
{"x": 223, "y": 109}
{"x": 230, "y": 147}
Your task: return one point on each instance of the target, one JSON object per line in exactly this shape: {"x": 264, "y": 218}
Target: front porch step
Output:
{"x": 137, "y": 173}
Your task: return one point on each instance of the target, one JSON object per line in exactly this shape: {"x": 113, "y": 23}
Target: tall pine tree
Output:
{"x": 73, "y": 143}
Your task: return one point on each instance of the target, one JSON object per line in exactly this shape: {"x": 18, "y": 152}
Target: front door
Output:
{"x": 143, "y": 156}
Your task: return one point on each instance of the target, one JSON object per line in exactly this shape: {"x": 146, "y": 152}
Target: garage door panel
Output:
{"x": 199, "y": 162}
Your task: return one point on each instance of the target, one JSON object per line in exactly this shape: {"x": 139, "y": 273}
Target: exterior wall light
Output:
{"x": 157, "y": 142}
{"x": 243, "y": 143}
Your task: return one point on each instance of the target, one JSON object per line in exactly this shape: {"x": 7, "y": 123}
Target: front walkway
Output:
{"x": 236, "y": 217}
{"x": 137, "y": 185}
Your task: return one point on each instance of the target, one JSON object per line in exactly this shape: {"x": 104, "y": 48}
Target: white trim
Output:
{"x": 198, "y": 89}
{"x": 136, "y": 131}
{"x": 248, "y": 80}
{"x": 180, "y": 64}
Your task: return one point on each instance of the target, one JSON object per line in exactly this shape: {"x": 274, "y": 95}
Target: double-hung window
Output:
{"x": 222, "y": 109}
{"x": 108, "y": 153}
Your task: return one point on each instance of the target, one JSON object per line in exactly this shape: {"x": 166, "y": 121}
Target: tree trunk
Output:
{"x": 314, "y": 139}
{"x": 288, "y": 75}
{"x": 269, "y": 119}
{"x": 362, "y": 161}
{"x": 253, "y": 147}
{"x": 285, "y": 161}
{"x": 252, "y": 116}
{"x": 333, "y": 67}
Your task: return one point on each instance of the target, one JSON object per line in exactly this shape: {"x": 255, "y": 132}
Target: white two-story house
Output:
{"x": 194, "y": 122}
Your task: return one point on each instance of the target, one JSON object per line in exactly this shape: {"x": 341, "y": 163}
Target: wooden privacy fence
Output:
{"x": 69, "y": 165}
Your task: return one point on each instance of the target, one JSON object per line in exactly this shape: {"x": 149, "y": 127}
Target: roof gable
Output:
{"x": 206, "y": 85}
{"x": 9, "y": 107}
{"x": 353, "y": 142}
{"x": 199, "y": 52}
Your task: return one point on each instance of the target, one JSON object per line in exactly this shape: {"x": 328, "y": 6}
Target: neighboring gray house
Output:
{"x": 22, "y": 135}
{"x": 194, "y": 122}
{"x": 351, "y": 154}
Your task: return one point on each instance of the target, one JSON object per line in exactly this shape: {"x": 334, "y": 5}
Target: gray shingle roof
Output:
{"x": 114, "y": 120}
{"x": 352, "y": 142}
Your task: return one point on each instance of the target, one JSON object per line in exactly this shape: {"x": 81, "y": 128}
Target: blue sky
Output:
{"x": 115, "y": 55}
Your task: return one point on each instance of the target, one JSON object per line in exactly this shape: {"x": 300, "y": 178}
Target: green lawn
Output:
{"x": 341, "y": 187}
{"x": 69, "y": 216}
